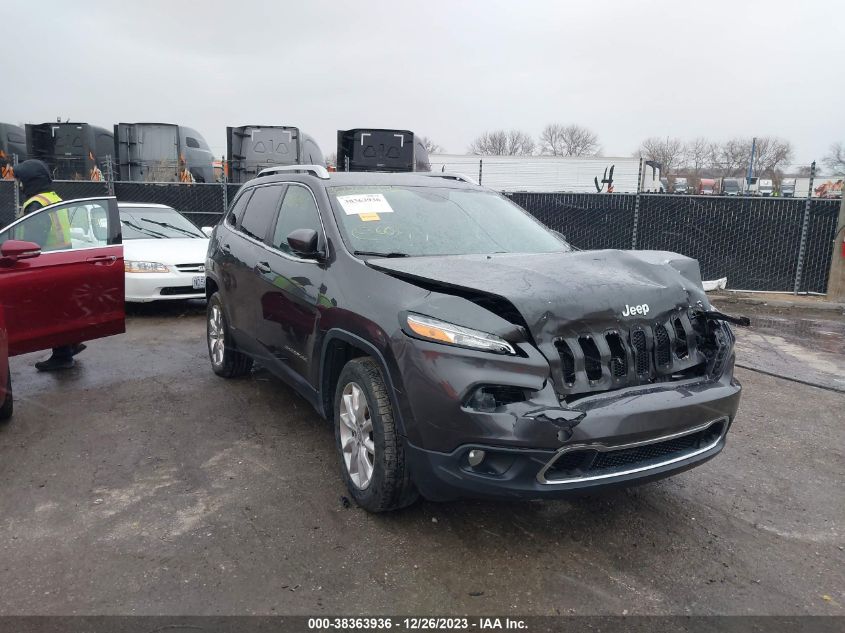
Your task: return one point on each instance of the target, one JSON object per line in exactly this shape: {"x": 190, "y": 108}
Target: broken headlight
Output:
{"x": 442, "y": 332}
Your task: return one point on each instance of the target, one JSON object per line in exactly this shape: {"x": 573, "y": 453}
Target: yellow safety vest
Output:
{"x": 59, "y": 236}
{"x": 45, "y": 199}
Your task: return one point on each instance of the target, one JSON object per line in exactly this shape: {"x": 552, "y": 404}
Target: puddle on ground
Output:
{"x": 824, "y": 335}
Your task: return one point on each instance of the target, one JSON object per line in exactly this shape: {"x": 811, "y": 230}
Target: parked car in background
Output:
{"x": 430, "y": 320}
{"x": 707, "y": 187}
{"x": 731, "y": 187}
{"x": 164, "y": 253}
{"x": 787, "y": 188}
{"x": 765, "y": 187}
{"x": 681, "y": 186}
{"x": 752, "y": 186}
{"x": 59, "y": 286}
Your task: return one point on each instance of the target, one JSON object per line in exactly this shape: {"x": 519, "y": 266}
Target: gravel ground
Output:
{"x": 140, "y": 483}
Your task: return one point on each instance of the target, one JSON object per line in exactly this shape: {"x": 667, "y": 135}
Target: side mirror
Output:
{"x": 303, "y": 242}
{"x": 18, "y": 249}
{"x": 208, "y": 230}
{"x": 13, "y": 250}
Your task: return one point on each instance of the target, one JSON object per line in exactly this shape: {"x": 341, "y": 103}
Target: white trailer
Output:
{"x": 553, "y": 173}
{"x": 824, "y": 186}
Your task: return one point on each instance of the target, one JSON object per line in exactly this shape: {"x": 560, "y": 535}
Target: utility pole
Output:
{"x": 836, "y": 280}
{"x": 750, "y": 174}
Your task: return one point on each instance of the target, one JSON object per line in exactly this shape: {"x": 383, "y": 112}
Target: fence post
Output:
{"x": 225, "y": 186}
{"x": 16, "y": 210}
{"x": 802, "y": 249}
{"x": 480, "y": 161}
{"x": 836, "y": 280}
{"x": 637, "y": 206}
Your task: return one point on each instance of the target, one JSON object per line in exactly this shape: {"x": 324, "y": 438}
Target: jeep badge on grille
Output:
{"x": 631, "y": 310}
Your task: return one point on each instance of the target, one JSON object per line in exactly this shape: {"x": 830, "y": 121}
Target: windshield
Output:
{"x": 417, "y": 221}
{"x": 148, "y": 223}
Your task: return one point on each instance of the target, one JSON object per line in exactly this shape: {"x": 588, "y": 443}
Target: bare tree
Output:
{"x": 835, "y": 159}
{"x": 771, "y": 155}
{"x": 432, "y": 147}
{"x": 568, "y": 140}
{"x": 669, "y": 152}
{"x": 698, "y": 157}
{"x": 731, "y": 157}
{"x": 503, "y": 143}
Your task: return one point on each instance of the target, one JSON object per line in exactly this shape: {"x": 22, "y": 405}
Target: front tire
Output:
{"x": 371, "y": 453}
{"x": 7, "y": 407}
{"x": 225, "y": 360}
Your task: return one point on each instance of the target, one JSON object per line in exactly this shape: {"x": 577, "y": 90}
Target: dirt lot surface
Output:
{"x": 140, "y": 483}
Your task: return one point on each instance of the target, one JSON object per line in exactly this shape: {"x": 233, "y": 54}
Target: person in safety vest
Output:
{"x": 52, "y": 233}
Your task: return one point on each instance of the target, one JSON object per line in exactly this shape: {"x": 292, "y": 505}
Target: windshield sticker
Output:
{"x": 369, "y": 217}
{"x": 365, "y": 204}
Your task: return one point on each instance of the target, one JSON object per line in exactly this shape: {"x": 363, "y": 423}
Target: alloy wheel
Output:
{"x": 356, "y": 435}
{"x": 216, "y": 336}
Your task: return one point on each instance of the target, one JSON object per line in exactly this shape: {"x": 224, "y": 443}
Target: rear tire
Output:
{"x": 225, "y": 360}
{"x": 7, "y": 407}
{"x": 378, "y": 480}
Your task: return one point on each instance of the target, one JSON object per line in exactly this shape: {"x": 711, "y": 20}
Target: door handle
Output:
{"x": 263, "y": 267}
{"x": 102, "y": 259}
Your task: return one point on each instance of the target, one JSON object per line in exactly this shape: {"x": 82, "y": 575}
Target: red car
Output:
{"x": 5, "y": 378}
{"x": 61, "y": 280}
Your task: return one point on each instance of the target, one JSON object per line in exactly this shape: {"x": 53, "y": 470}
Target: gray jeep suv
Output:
{"x": 459, "y": 347}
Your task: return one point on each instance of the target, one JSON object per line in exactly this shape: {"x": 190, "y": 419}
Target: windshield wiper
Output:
{"x": 377, "y": 254}
{"x": 167, "y": 225}
{"x": 155, "y": 234}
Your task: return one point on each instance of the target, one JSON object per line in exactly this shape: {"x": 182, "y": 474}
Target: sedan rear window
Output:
{"x": 417, "y": 221}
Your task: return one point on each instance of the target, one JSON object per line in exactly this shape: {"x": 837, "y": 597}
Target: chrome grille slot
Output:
{"x": 662, "y": 348}
{"x": 592, "y": 357}
{"x": 638, "y": 342}
{"x": 567, "y": 361}
{"x": 681, "y": 346}
{"x": 618, "y": 355}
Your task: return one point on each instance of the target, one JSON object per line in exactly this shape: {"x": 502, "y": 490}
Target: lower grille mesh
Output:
{"x": 590, "y": 462}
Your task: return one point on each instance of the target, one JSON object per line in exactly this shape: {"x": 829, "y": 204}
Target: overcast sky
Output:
{"x": 448, "y": 70}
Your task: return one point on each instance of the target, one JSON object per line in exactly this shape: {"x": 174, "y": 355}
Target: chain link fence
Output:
{"x": 754, "y": 242}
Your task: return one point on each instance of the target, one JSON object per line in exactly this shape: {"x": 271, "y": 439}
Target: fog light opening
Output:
{"x": 475, "y": 457}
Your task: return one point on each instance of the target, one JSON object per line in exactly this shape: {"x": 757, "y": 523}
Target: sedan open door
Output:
{"x": 61, "y": 275}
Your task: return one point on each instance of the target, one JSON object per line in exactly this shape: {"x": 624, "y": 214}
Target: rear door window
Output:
{"x": 299, "y": 211}
{"x": 237, "y": 210}
{"x": 261, "y": 211}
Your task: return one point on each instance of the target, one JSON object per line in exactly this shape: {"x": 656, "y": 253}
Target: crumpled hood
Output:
{"x": 558, "y": 293}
